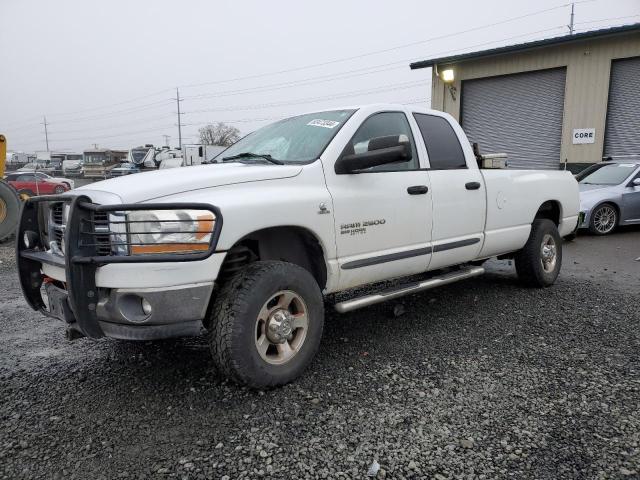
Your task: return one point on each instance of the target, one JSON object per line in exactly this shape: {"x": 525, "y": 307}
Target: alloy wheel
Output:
{"x": 548, "y": 253}
{"x": 604, "y": 219}
{"x": 281, "y": 327}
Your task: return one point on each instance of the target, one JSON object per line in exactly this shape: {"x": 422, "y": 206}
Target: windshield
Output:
{"x": 610, "y": 174}
{"x": 95, "y": 157}
{"x": 298, "y": 139}
{"x": 138, "y": 155}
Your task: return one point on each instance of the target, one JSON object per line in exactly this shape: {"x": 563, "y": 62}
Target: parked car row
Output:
{"x": 29, "y": 184}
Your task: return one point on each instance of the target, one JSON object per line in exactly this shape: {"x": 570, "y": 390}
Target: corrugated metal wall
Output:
{"x": 622, "y": 136}
{"x": 588, "y": 66}
{"x": 519, "y": 114}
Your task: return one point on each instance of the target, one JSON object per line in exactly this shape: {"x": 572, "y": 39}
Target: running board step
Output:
{"x": 402, "y": 290}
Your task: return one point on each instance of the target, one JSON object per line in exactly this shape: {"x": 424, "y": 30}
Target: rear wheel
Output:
{"x": 538, "y": 263}
{"x": 59, "y": 189}
{"x": 604, "y": 219}
{"x": 267, "y": 324}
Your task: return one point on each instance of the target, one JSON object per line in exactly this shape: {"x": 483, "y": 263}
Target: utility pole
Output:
{"x": 166, "y": 139}
{"x": 46, "y": 133}
{"x": 179, "y": 122}
{"x": 571, "y": 21}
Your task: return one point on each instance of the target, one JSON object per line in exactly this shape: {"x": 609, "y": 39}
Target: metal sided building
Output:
{"x": 574, "y": 98}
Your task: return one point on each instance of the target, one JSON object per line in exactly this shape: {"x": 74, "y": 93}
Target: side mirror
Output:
{"x": 635, "y": 182}
{"x": 380, "y": 151}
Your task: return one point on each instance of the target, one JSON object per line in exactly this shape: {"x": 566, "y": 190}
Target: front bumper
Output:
{"x": 117, "y": 296}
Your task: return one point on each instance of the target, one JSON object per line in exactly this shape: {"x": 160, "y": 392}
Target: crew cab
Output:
{"x": 250, "y": 248}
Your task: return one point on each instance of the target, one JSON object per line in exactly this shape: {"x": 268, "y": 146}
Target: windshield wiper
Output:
{"x": 245, "y": 155}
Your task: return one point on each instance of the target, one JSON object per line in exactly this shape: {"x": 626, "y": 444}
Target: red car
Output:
{"x": 27, "y": 183}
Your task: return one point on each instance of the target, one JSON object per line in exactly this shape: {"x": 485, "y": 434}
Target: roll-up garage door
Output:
{"x": 519, "y": 114}
{"x": 622, "y": 133}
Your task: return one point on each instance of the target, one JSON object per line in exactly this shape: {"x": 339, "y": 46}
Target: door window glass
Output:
{"x": 443, "y": 146}
{"x": 382, "y": 125}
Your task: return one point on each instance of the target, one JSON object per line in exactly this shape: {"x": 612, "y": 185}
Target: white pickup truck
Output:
{"x": 247, "y": 249}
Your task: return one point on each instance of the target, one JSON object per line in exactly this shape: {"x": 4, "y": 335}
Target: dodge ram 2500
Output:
{"x": 248, "y": 248}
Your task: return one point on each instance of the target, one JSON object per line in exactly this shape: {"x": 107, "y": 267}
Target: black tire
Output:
{"x": 9, "y": 210}
{"x": 611, "y": 216}
{"x": 26, "y": 193}
{"x": 59, "y": 190}
{"x": 235, "y": 324}
{"x": 531, "y": 269}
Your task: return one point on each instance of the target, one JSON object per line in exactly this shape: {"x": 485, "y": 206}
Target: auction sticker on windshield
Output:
{"x": 323, "y": 123}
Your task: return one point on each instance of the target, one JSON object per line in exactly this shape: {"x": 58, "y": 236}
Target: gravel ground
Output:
{"x": 482, "y": 379}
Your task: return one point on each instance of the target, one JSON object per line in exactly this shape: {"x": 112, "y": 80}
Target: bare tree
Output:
{"x": 219, "y": 134}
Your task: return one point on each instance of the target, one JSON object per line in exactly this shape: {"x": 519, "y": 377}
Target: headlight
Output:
{"x": 170, "y": 231}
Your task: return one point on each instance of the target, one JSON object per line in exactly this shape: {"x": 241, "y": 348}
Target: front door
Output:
{"x": 631, "y": 201}
{"x": 383, "y": 214}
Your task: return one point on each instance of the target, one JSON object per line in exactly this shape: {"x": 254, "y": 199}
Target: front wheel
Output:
{"x": 604, "y": 219}
{"x": 538, "y": 263}
{"x": 267, "y": 324}
{"x": 59, "y": 189}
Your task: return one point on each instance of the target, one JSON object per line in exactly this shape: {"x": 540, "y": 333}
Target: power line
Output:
{"x": 124, "y": 102}
{"x": 608, "y": 19}
{"x": 344, "y": 75}
{"x": 303, "y": 82}
{"x": 381, "y": 89}
{"x": 362, "y": 71}
{"x": 329, "y": 62}
{"x": 306, "y": 81}
{"x": 92, "y": 137}
{"x": 119, "y": 125}
{"x": 386, "y": 50}
{"x": 148, "y": 106}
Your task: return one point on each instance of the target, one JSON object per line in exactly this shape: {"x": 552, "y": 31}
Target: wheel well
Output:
{"x": 550, "y": 210}
{"x": 291, "y": 244}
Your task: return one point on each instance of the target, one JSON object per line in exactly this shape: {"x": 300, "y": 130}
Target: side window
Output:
{"x": 382, "y": 125}
{"x": 443, "y": 146}
{"x": 25, "y": 178}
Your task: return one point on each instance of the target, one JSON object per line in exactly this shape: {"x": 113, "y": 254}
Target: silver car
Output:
{"x": 609, "y": 195}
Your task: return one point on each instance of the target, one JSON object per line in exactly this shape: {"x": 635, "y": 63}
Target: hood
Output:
{"x": 584, "y": 187}
{"x": 146, "y": 186}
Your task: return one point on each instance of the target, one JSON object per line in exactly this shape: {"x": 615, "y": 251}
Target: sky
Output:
{"x": 106, "y": 72}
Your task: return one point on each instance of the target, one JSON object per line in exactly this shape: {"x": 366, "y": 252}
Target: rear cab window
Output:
{"x": 442, "y": 143}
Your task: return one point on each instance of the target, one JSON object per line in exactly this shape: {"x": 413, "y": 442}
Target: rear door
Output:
{"x": 383, "y": 214}
{"x": 459, "y": 197}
